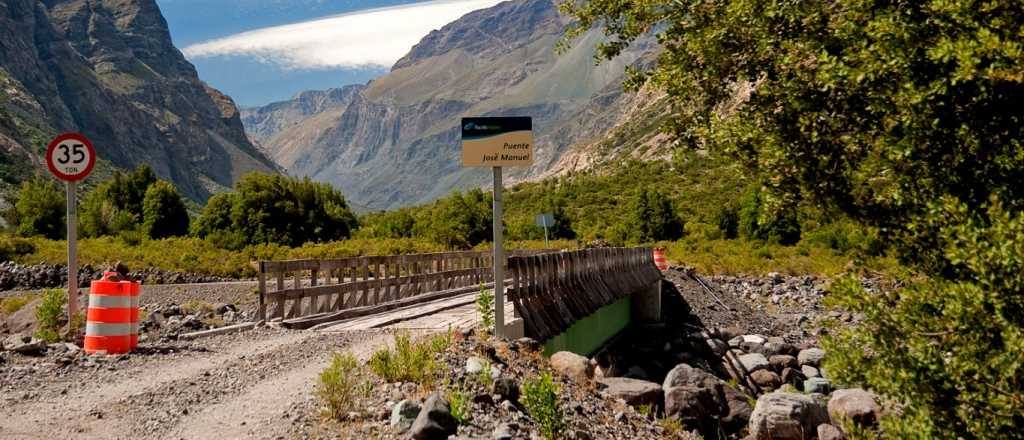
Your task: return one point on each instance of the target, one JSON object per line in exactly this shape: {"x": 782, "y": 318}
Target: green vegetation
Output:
{"x": 485, "y": 307}
{"x": 50, "y": 315}
{"x": 266, "y": 209}
{"x": 410, "y": 361}
{"x": 13, "y": 247}
{"x": 341, "y": 384}
{"x": 115, "y": 206}
{"x": 903, "y": 116}
{"x": 461, "y": 406}
{"x": 652, "y": 218}
{"x": 757, "y": 223}
{"x": 12, "y": 304}
{"x": 40, "y": 209}
{"x": 540, "y": 397}
{"x": 163, "y": 212}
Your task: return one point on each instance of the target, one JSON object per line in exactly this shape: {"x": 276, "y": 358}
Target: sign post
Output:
{"x": 70, "y": 157}
{"x": 497, "y": 142}
{"x": 545, "y": 220}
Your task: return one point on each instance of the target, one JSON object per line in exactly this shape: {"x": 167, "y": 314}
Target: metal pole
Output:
{"x": 499, "y": 259}
{"x": 544, "y": 221}
{"x": 72, "y": 252}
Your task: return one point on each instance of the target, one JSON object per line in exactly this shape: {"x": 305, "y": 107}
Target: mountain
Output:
{"x": 108, "y": 69}
{"x": 395, "y": 141}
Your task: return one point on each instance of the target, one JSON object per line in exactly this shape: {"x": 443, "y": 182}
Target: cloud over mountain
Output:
{"x": 374, "y": 37}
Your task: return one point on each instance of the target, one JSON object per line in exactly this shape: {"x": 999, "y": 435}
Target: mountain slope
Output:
{"x": 396, "y": 141}
{"x": 108, "y": 69}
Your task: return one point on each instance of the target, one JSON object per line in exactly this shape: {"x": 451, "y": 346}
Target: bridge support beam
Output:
{"x": 646, "y": 304}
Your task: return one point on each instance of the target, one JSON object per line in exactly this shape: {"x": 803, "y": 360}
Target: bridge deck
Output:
{"x": 458, "y": 312}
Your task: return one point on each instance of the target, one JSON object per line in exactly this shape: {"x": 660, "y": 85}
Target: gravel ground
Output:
{"x": 243, "y": 385}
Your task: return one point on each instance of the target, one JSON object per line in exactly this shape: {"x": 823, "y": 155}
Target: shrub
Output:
{"x": 116, "y": 204}
{"x": 50, "y": 315}
{"x": 12, "y": 304}
{"x": 340, "y": 385}
{"x": 163, "y": 212}
{"x": 14, "y": 247}
{"x": 540, "y": 397}
{"x": 757, "y": 222}
{"x": 410, "y": 361}
{"x": 652, "y": 218}
{"x": 276, "y": 209}
{"x": 461, "y": 406}
{"x": 727, "y": 219}
{"x": 41, "y": 209}
{"x": 485, "y": 307}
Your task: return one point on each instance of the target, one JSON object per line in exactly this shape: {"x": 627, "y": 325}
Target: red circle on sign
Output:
{"x": 55, "y": 168}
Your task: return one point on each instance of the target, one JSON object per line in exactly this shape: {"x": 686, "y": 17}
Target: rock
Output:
{"x": 502, "y": 432}
{"x": 717, "y": 346}
{"x": 506, "y": 388}
{"x": 736, "y": 342}
{"x": 223, "y": 308}
{"x": 766, "y": 379}
{"x": 403, "y": 414}
{"x": 751, "y": 347}
{"x": 435, "y": 421}
{"x": 475, "y": 365}
{"x": 811, "y": 356}
{"x": 636, "y": 372}
{"x": 634, "y": 392}
{"x": 793, "y": 377}
{"x": 26, "y": 345}
{"x": 754, "y": 339}
{"x": 781, "y": 362}
{"x": 528, "y": 344}
{"x": 572, "y": 365}
{"x": 818, "y": 385}
{"x": 739, "y": 409}
{"x": 779, "y": 348}
{"x": 855, "y": 404}
{"x": 483, "y": 399}
{"x": 810, "y": 371}
{"x": 829, "y": 432}
{"x": 786, "y": 416}
{"x": 752, "y": 362}
{"x": 697, "y": 408}
{"x": 685, "y": 375}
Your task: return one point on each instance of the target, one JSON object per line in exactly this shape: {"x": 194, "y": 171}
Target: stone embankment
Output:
{"x": 14, "y": 276}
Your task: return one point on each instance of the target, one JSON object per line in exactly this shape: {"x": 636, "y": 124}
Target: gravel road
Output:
{"x": 255, "y": 384}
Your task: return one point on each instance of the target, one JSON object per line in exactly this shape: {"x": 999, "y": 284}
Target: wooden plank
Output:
{"x": 261, "y": 311}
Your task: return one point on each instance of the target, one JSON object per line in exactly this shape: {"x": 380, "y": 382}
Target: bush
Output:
{"x": 341, "y": 384}
{"x": 727, "y": 218}
{"x": 540, "y": 397}
{"x": 13, "y": 247}
{"x": 410, "y": 361}
{"x": 50, "y": 315}
{"x": 41, "y": 209}
{"x": 276, "y": 209}
{"x": 756, "y": 222}
{"x": 485, "y": 307}
{"x": 652, "y": 218}
{"x": 163, "y": 212}
{"x": 12, "y": 304}
{"x": 461, "y": 406}
{"x": 116, "y": 204}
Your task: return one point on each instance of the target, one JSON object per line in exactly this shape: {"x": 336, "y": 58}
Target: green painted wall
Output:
{"x": 588, "y": 334}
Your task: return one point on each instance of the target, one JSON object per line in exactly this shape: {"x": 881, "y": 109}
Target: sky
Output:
{"x": 262, "y": 51}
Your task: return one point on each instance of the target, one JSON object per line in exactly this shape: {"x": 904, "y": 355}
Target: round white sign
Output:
{"x": 70, "y": 157}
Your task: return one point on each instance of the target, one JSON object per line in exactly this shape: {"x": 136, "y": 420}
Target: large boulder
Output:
{"x": 818, "y": 385}
{"x": 781, "y": 362}
{"x": 739, "y": 409}
{"x": 786, "y": 416}
{"x": 634, "y": 392}
{"x": 696, "y": 397}
{"x": 766, "y": 379}
{"x": 435, "y": 420}
{"x": 829, "y": 432}
{"x": 403, "y": 414}
{"x": 811, "y": 356}
{"x": 572, "y": 365}
{"x": 26, "y": 345}
{"x": 854, "y": 404}
{"x": 752, "y": 362}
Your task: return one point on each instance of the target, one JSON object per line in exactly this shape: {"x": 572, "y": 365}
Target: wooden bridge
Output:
{"x": 549, "y": 291}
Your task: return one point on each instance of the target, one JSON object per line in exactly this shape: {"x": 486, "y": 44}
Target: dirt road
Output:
{"x": 247, "y": 385}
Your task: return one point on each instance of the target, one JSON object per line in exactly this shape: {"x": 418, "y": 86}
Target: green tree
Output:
{"x": 276, "y": 209}
{"x": 116, "y": 204}
{"x": 906, "y": 117}
{"x": 756, "y": 222}
{"x": 163, "y": 212}
{"x": 652, "y": 218}
{"x": 727, "y": 219}
{"x": 41, "y": 209}
{"x": 459, "y": 221}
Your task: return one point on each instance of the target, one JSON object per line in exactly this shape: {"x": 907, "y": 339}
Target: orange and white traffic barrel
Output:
{"x": 659, "y": 259}
{"x": 112, "y": 321}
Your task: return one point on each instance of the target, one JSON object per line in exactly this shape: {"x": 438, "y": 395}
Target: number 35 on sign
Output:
{"x": 70, "y": 157}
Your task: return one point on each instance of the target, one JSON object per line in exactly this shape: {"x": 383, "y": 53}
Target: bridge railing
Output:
{"x": 316, "y": 286}
{"x": 552, "y": 291}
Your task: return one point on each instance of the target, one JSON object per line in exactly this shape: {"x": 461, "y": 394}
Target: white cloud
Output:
{"x": 374, "y": 37}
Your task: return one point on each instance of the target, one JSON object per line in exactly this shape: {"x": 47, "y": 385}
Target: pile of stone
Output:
{"x": 171, "y": 320}
{"x": 14, "y": 276}
{"x": 795, "y": 400}
{"x": 806, "y": 291}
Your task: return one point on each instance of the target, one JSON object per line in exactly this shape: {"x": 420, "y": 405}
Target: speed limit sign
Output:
{"x": 70, "y": 157}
